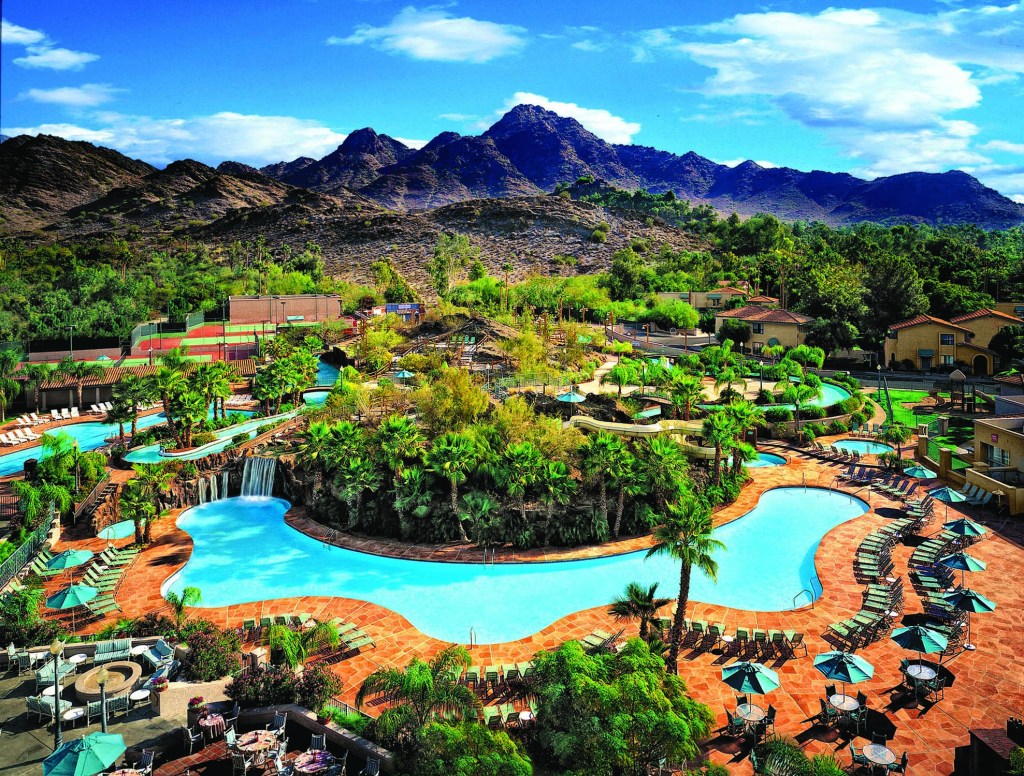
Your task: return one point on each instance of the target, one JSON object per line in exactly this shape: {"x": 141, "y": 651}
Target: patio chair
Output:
{"x": 796, "y": 641}
{"x": 735, "y": 726}
{"x": 858, "y": 760}
{"x": 828, "y": 715}
{"x": 240, "y": 763}
{"x": 144, "y": 765}
{"x": 767, "y": 724}
{"x": 280, "y": 768}
{"x": 372, "y": 767}
{"x": 192, "y": 742}
{"x": 230, "y": 737}
{"x": 903, "y": 766}
{"x": 318, "y": 742}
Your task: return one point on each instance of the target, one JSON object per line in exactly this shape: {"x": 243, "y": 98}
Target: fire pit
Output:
{"x": 123, "y": 676}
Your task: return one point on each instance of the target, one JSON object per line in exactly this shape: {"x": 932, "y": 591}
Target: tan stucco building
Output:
{"x": 718, "y": 298}
{"x": 931, "y": 343}
{"x": 986, "y": 323}
{"x": 999, "y": 460}
{"x": 768, "y": 326}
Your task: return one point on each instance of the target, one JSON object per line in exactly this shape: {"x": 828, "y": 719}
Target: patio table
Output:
{"x": 256, "y": 741}
{"x": 844, "y": 702}
{"x": 751, "y": 714}
{"x": 212, "y": 725}
{"x": 313, "y": 762}
{"x": 879, "y": 756}
{"x": 921, "y": 672}
{"x": 126, "y": 772}
{"x": 78, "y": 659}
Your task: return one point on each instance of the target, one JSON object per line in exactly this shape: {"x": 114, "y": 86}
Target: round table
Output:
{"x": 313, "y": 762}
{"x": 877, "y": 754}
{"x": 844, "y": 702}
{"x": 138, "y": 650}
{"x": 922, "y": 672}
{"x": 48, "y": 691}
{"x": 525, "y": 717}
{"x": 256, "y": 741}
{"x": 139, "y": 696}
{"x": 748, "y": 712}
{"x": 78, "y": 659}
{"x": 212, "y": 725}
{"x": 35, "y": 657}
{"x": 125, "y": 772}
{"x": 73, "y": 715}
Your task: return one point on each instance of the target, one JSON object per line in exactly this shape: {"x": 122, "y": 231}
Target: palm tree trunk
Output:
{"x": 603, "y": 502}
{"x": 675, "y": 640}
{"x": 620, "y": 508}
{"x": 455, "y": 510}
{"x": 135, "y": 418}
{"x": 139, "y": 538}
{"x": 718, "y": 464}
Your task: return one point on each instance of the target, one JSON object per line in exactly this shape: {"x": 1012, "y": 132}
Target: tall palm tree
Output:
{"x": 190, "y": 596}
{"x": 314, "y": 441}
{"x": 189, "y": 408}
{"x": 356, "y": 476}
{"x": 729, "y": 376}
{"x": 424, "y": 690}
{"x": 453, "y": 457}
{"x": 120, "y": 413}
{"x": 78, "y": 372}
{"x": 898, "y": 434}
{"x": 662, "y": 465}
{"x": 480, "y": 511}
{"x": 687, "y": 390}
{"x": 400, "y": 441}
{"x": 619, "y": 375}
{"x": 9, "y": 387}
{"x": 556, "y": 485}
{"x": 136, "y": 391}
{"x": 638, "y": 603}
{"x": 519, "y": 471}
{"x": 34, "y": 499}
{"x": 625, "y": 479}
{"x": 136, "y": 505}
{"x": 296, "y": 646}
{"x": 153, "y": 479}
{"x": 35, "y": 375}
{"x": 800, "y": 395}
{"x": 345, "y": 441}
{"x": 687, "y": 536}
{"x": 745, "y": 416}
{"x": 719, "y": 430}
{"x": 167, "y": 382}
{"x": 602, "y": 453}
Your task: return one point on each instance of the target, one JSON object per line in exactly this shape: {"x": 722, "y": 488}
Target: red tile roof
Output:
{"x": 919, "y": 320}
{"x": 985, "y": 312}
{"x": 244, "y": 368}
{"x": 763, "y": 300}
{"x": 758, "y": 314}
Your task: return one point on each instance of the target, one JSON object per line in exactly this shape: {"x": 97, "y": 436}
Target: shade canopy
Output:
{"x": 969, "y": 601}
{"x": 918, "y": 638}
{"x": 76, "y": 595}
{"x": 85, "y": 756}
{"x": 920, "y": 472}
{"x": 964, "y": 527}
{"x": 963, "y": 562}
{"x": 69, "y": 559}
{"x": 405, "y": 374}
{"x": 844, "y": 667}
{"x": 571, "y": 397}
{"x": 750, "y": 678}
{"x": 948, "y": 495}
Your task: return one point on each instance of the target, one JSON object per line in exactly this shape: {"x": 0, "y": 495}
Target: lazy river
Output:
{"x": 245, "y": 552}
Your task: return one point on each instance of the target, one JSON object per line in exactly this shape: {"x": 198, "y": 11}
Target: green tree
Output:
{"x": 734, "y": 329}
{"x": 687, "y": 536}
{"x": 603, "y": 454}
{"x": 450, "y": 402}
{"x": 451, "y": 254}
{"x": 355, "y": 476}
{"x": 687, "y": 391}
{"x": 745, "y": 416}
{"x": 153, "y": 479}
{"x": 895, "y": 292}
{"x": 400, "y": 441}
{"x": 453, "y": 456}
{"x": 898, "y": 434}
{"x": 719, "y": 430}
{"x": 9, "y": 387}
{"x": 638, "y": 603}
{"x": 34, "y": 376}
{"x": 663, "y": 466}
{"x": 468, "y": 749}
{"x": 190, "y": 596}
{"x": 556, "y": 485}
{"x": 831, "y": 334}
{"x": 620, "y": 375}
{"x": 296, "y": 646}
{"x": 134, "y": 391}
{"x": 518, "y": 472}
{"x": 78, "y": 372}
{"x": 801, "y": 395}
{"x": 136, "y": 505}
{"x": 629, "y": 277}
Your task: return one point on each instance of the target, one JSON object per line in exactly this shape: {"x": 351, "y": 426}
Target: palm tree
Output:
{"x": 619, "y": 375}
{"x": 135, "y": 391}
{"x": 314, "y": 442}
{"x": 136, "y": 505}
{"x": 78, "y": 372}
{"x": 190, "y": 596}
{"x": 896, "y": 433}
{"x": 687, "y": 390}
{"x": 9, "y": 387}
{"x": 602, "y": 453}
{"x": 481, "y": 512}
{"x": 120, "y": 413}
{"x": 413, "y": 497}
{"x": 453, "y": 456}
{"x": 627, "y": 481}
{"x": 189, "y": 408}
{"x": 35, "y": 498}
{"x": 729, "y": 376}
{"x": 295, "y": 646}
{"x": 153, "y": 479}
{"x": 745, "y": 416}
{"x": 687, "y": 536}
{"x": 518, "y": 472}
{"x": 422, "y": 691}
{"x": 556, "y": 485}
{"x": 662, "y": 465}
{"x": 638, "y": 603}
{"x": 800, "y": 395}
{"x": 400, "y": 440}
{"x": 167, "y": 383}
{"x": 35, "y": 375}
{"x": 718, "y": 429}
{"x": 356, "y": 476}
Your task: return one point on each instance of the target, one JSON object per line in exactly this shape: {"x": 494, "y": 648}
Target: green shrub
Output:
{"x": 813, "y": 413}
{"x": 859, "y": 418}
{"x": 356, "y": 723}
{"x": 1017, "y": 761}
{"x": 242, "y": 438}
{"x": 779, "y": 430}
{"x": 764, "y": 396}
{"x": 778, "y": 414}
{"x": 599, "y": 237}
{"x": 818, "y": 429}
{"x": 212, "y": 653}
{"x": 837, "y": 427}
{"x": 203, "y": 438}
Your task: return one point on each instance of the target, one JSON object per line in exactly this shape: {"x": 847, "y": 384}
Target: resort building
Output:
{"x": 721, "y": 297}
{"x": 999, "y": 460}
{"x": 926, "y": 343}
{"x": 768, "y": 326}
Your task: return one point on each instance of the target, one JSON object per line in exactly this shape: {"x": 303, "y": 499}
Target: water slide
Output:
{"x": 640, "y": 431}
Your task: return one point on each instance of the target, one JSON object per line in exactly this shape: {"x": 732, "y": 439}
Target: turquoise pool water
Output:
{"x": 121, "y": 530}
{"x": 315, "y": 398}
{"x": 151, "y": 453}
{"x": 863, "y": 446}
{"x": 243, "y": 552}
{"x": 327, "y": 374}
{"x": 765, "y": 459}
{"x": 830, "y": 394}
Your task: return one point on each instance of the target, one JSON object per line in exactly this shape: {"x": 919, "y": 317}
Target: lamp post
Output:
{"x": 101, "y": 680}
{"x": 280, "y": 318}
{"x": 71, "y": 340}
{"x": 56, "y": 648}
{"x": 878, "y": 369}
{"x": 224, "y": 330}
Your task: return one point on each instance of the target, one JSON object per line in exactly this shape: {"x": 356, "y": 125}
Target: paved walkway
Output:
{"x": 988, "y": 686}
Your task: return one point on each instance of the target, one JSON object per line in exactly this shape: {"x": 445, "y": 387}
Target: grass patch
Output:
{"x": 903, "y": 414}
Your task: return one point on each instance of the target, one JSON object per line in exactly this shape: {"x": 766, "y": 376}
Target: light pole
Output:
{"x": 101, "y": 680}
{"x": 56, "y": 648}
{"x": 224, "y": 330}
{"x": 281, "y": 316}
{"x": 71, "y": 340}
{"x": 878, "y": 369}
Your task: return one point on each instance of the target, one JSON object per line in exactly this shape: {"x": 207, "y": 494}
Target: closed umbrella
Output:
{"x": 85, "y": 756}
{"x": 844, "y": 667}
{"x": 71, "y": 597}
{"x": 919, "y": 639}
{"x": 749, "y": 677}
{"x": 963, "y": 562}
{"x": 969, "y": 601}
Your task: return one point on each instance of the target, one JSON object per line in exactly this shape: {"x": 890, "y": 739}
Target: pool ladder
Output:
{"x": 809, "y": 591}
{"x": 472, "y": 637}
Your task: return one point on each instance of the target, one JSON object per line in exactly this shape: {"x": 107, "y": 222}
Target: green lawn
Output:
{"x": 910, "y": 417}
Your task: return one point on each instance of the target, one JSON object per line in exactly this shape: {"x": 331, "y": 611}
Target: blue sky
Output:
{"x": 859, "y": 88}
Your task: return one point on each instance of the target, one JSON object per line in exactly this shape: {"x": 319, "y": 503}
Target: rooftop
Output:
{"x": 920, "y": 320}
{"x": 758, "y": 314}
{"x": 986, "y": 312}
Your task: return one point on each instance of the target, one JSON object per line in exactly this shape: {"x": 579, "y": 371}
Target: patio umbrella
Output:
{"x": 969, "y": 601}
{"x": 964, "y": 527}
{"x": 405, "y": 374}
{"x": 919, "y": 639}
{"x": 85, "y": 756}
{"x": 843, "y": 667}
{"x": 962, "y": 561}
{"x": 70, "y": 597}
{"x": 571, "y": 397}
{"x": 69, "y": 559}
{"x": 749, "y": 677}
{"x": 948, "y": 495}
{"x": 920, "y": 472}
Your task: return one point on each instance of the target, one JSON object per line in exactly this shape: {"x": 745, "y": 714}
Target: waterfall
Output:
{"x": 202, "y": 491}
{"x": 258, "y": 476}
{"x": 213, "y": 488}
{"x": 224, "y": 484}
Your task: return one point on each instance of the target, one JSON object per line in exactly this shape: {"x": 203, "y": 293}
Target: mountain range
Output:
{"x": 530, "y": 150}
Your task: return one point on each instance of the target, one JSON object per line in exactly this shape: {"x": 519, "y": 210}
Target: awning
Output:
{"x": 926, "y": 353}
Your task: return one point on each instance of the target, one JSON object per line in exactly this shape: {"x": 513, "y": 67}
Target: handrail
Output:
{"x": 472, "y": 636}
{"x": 91, "y": 498}
{"x": 810, "y": 593}
{"x": 10, "y": 567}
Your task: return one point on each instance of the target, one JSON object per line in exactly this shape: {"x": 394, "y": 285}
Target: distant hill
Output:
{"x": 530, "y": 149}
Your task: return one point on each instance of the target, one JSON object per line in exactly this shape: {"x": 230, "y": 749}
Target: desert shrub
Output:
{"x": 212, "y": 653}
{"x": 597, "y": 236}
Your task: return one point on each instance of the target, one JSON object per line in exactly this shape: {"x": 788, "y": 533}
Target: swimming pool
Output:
{"x": 121, "y": 530}
{"x": 863, "y": 446}
{"x": 765, "y": 459}
{"x": 315, "y": 398}
{"x": 151, "y": 453}
{"x": 830, "y": 394}
{"x": 327, "y": 374}
{"x": 244, "y": 552}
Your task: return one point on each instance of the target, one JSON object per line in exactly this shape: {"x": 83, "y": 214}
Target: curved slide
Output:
{"x": 639, "y": 431}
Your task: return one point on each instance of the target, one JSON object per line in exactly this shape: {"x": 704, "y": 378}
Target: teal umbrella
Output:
{"x": 962, "y": 561}
{"x": 964, "y": 527}
{"x": 85, "y": 756}
{"x": 844, "y": 667}
{"x": 969, "y": 601}
{"x": 69, "y": 559}
{"x": 918, "y": 638}
{"x": 571, "y": 397}
{"x": 749, "y": 677}
{"x": 948, "y": 495}
{"x": 70, "y": 597}
{"x": 920, "y": 472}
{"x": 405, "y": 374}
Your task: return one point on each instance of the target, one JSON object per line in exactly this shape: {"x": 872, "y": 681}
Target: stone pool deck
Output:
{"x": 988, "y": 685}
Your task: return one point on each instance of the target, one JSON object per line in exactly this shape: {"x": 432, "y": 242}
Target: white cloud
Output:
{"x": 459, "y": 117}
{"x": 55, "y": 58}
{"x": 1017, "y": 198}
{"x": 412, "y": 143}
{"x": 601, "y": 122}
{"x": 434, "y": 34}
{"x": 930, "y": 149}
{"x": 254, "y": 139}
{"x": 1003, "y": 145}
{"x": 590, "y": 45}
{"x": 84, "y": 96}
{"x": 19, "y": 36}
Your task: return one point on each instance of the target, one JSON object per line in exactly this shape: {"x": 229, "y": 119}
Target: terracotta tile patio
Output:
{"x": 988, "y": 684}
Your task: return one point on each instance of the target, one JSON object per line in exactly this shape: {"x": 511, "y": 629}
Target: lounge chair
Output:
{"x": 74, "y": 412}
{"x": 65, "y": 413}
{"x": 159, "y": 654}
{"x": 735, "y": 725}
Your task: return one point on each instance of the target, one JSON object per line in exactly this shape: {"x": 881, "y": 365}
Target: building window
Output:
{"x": 757, "y": 328}
{"x": 996, "y": 456}
{"x": 947, "y": 361}
{"x": 945, "y": 339}
{"x": 758, "y": 348}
